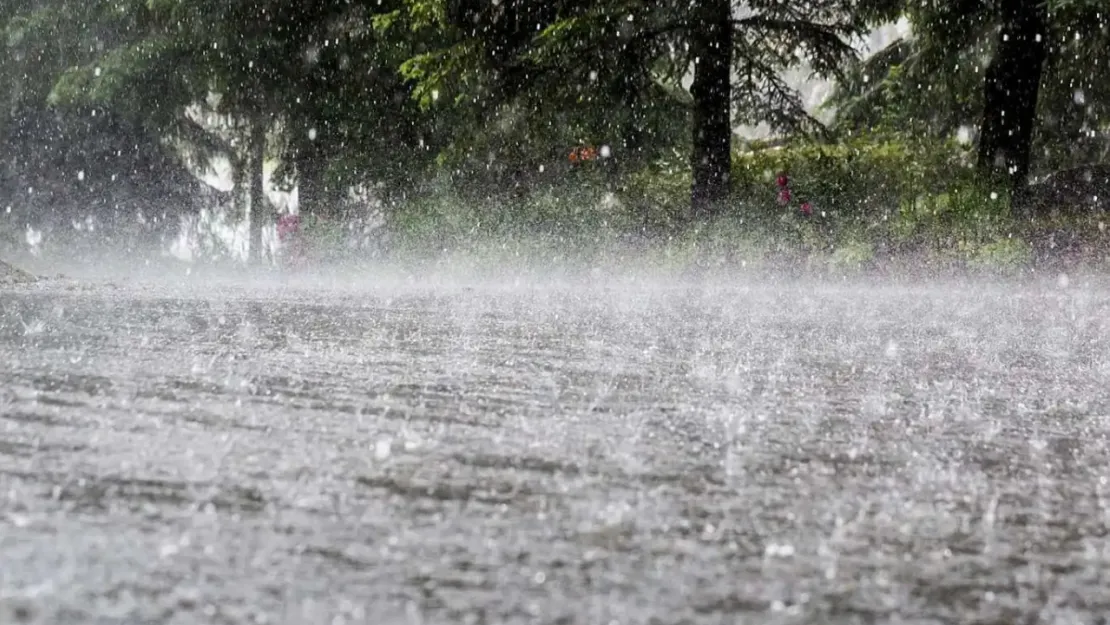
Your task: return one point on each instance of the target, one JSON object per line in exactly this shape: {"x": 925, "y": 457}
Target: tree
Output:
{"x": 1010, "y": 88}
{"x": 517, "y": 89}
{"x": 577, "y": 50}
{"x": 711, "y": 154}
{"x": 1032, "y": 106}
{"x": 62, "y": 165}
{"x": 311, "y": 83}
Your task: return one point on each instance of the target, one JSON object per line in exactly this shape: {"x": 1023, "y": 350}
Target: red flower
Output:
{"x": 807, "y": 210}
{"x": 582, "y": 153}
{"x": 784, "y": 196}
{"x": 782, "y": 181}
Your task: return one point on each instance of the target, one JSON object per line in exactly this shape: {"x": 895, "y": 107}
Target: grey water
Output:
{"x": 585, "y": 451}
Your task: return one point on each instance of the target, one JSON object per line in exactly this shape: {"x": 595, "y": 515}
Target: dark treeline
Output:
{"x": 114, "y": 107}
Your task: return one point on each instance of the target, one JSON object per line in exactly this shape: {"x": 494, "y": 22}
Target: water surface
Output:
{"x": 591, "y": 452}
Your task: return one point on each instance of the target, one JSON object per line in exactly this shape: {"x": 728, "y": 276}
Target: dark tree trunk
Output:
{"x": 312, "y": 193}
{"x": 1010, "y": 92}
{"x": 711, "y": 157}
{"x": 240, "y": 181}
{"x": 257, "y": 194}
{"x": 632, "y": 84}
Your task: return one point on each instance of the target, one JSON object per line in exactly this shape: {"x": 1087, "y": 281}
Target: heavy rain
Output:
{"x": 599, "y": 312}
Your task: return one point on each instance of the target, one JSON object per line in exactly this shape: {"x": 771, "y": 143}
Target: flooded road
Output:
{"x": 588, "y": 453}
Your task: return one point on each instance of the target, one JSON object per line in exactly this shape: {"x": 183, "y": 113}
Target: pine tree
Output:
{"x": 590, "y": 50}
{"x": 1041, "y": 100}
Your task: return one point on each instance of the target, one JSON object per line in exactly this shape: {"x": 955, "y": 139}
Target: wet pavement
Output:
{"x": 706, "y": 452}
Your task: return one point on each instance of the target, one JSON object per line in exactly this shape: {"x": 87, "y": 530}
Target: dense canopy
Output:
{"x": 121, "y": 105}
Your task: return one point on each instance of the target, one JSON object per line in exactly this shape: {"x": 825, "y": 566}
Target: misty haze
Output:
{"x": 580, "y": 311}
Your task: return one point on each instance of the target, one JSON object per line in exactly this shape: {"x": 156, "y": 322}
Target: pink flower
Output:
{"x": 292, "y": 242}
{"x": 288, "y": 226}
{"x": 807, "y": 210}
{"x": 784, "y": 196}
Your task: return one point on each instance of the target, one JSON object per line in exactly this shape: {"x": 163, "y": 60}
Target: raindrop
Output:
{"x": 311, "y": 134}
{"x": 383, "y": 448}
{"x": 781, "y": 551}
{"x": 81, "y": 175}
{"x": 891, "y": 350}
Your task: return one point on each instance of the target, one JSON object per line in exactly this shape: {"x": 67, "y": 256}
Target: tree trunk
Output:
{"x": 1010, "y": 92}
{"x": 240, "y": 178}
{"x": 257, "y": 194}
{"x": 634, "y": 78}
{"x": 312, "y": 193}
{"x": 711, "y": 157}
